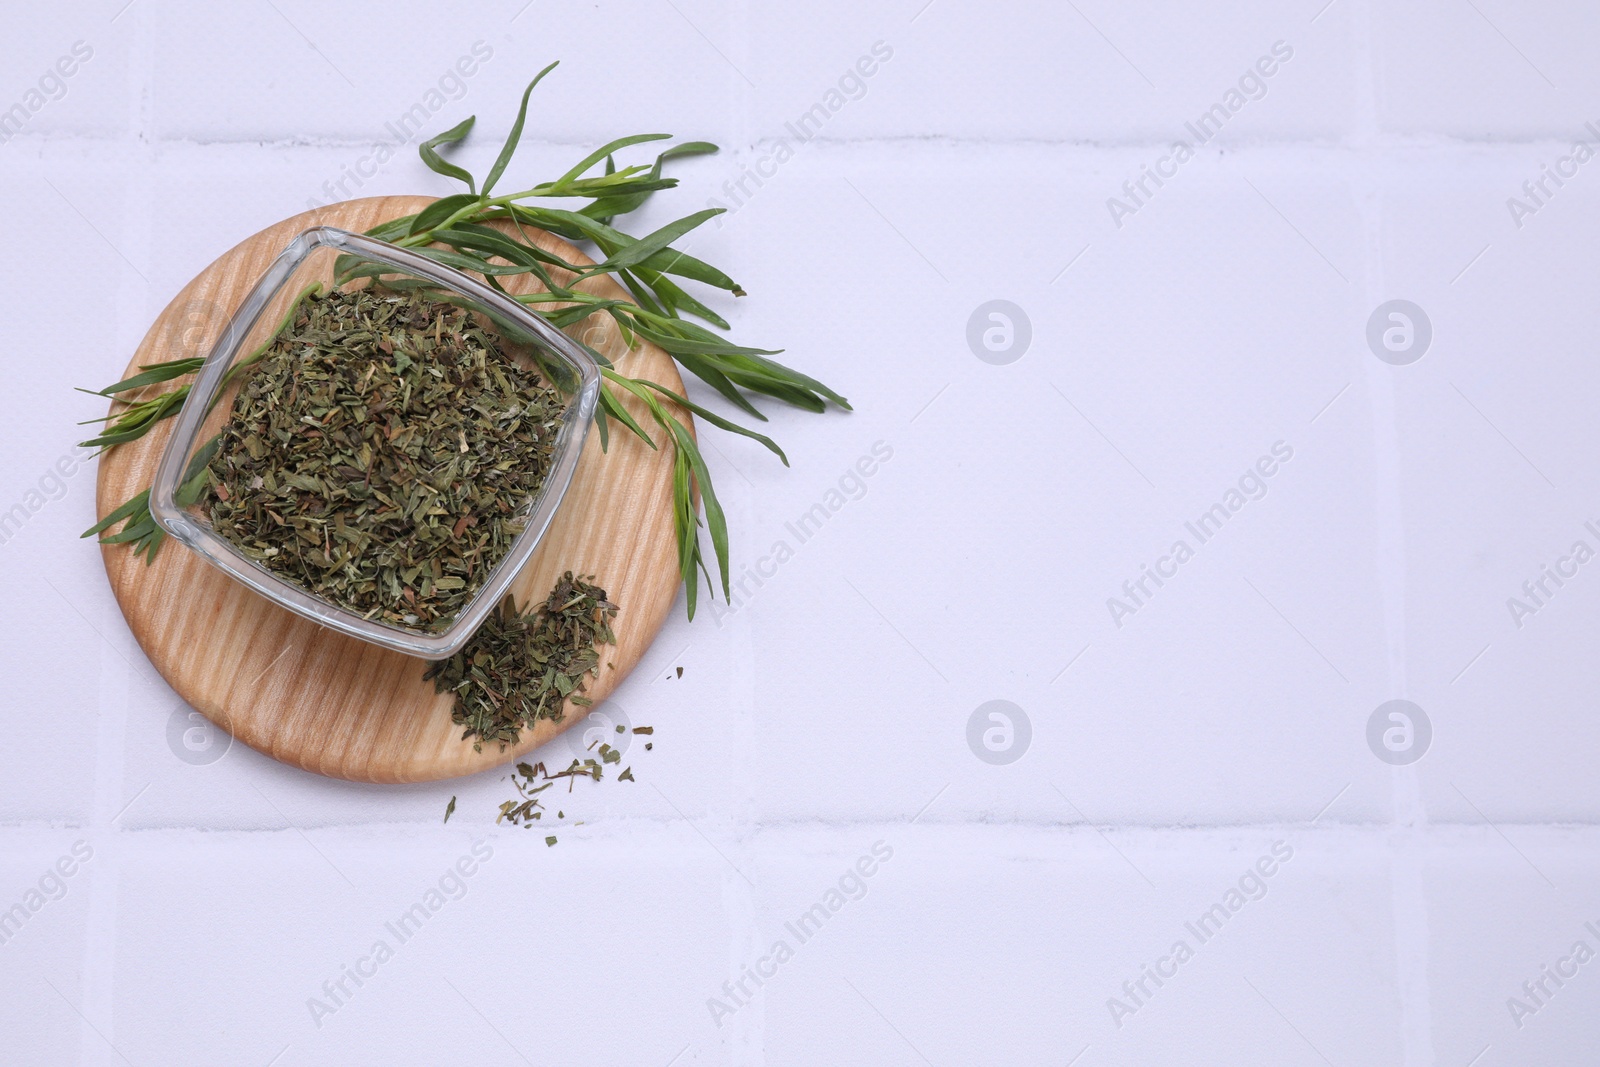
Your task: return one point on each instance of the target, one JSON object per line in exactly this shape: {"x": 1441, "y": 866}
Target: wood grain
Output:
{"x": 331, "y": 704}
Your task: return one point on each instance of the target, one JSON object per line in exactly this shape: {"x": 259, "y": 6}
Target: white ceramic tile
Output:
{"x": 1057, "y": 923}
{"x": 1503, "y": 929}
{"x": 1494, "y": 435}
{"x": 345, "y": 74}
{"x": 68, "y": 74}
{"x": 461, "y": 920}
{"x": 1488, "y": 70}
{"x": 47, "y": 881}
{"x": 1013, "y": 70}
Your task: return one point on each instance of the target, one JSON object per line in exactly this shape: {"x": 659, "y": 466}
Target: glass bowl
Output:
{"x": 315, "y": 256}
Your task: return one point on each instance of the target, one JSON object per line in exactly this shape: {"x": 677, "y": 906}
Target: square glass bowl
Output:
{"x": 315, "y": 256}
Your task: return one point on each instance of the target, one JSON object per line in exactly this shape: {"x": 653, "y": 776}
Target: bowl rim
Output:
{"x": 208, "y": 381}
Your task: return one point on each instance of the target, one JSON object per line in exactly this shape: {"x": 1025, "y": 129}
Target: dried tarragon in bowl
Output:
{"x": 381, "y": 452}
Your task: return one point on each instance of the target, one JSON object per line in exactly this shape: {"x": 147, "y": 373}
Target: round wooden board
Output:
{"x": 331, "y": 704}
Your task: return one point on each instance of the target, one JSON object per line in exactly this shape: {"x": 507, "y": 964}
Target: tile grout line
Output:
{"x": 98, "y": 1038}
{"x": 1409, "y": 820}
{"x": 750, "y": 1030}
{"x": 95, "y": 998}
{"x": 1360, "y": 142}
{"x": 1445, "y": 834}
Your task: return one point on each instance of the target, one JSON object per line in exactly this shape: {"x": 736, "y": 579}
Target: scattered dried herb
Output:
{"x": 449, "y": 809}
{"x": 380, "y": 454}
{"x": 532, "y": 780}
{"x": 522, "y": 667}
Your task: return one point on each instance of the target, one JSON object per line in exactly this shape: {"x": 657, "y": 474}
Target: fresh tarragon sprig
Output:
{"x": 456, "y": 231}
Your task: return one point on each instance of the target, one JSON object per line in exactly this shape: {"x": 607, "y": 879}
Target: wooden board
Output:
{"x": 329, "y": 703}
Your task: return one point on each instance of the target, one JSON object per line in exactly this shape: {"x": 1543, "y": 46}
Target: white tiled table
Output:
{"x": 1012, "y": 910}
